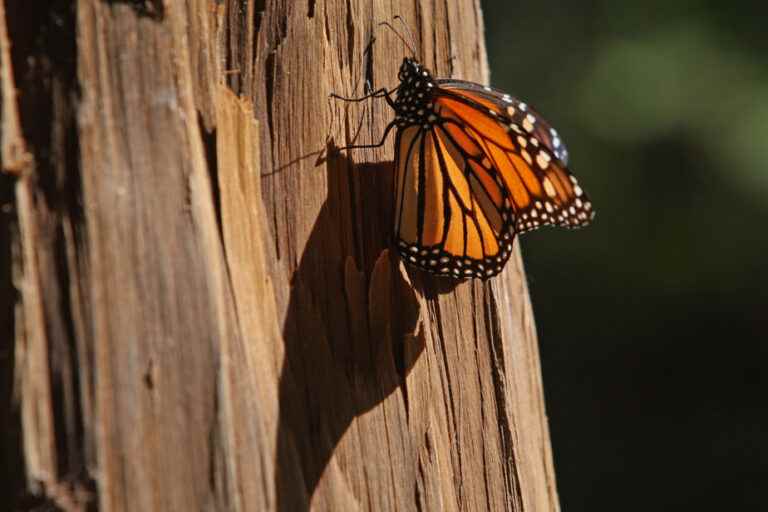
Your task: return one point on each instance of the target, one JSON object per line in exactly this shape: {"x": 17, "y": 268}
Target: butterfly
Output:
{"x": 473, "y": 168}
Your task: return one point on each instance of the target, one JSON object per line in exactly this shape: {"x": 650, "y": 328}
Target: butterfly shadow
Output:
{"x": 350, "y": 330}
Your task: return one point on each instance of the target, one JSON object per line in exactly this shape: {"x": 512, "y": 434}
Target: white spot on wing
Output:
{"x": 528, "y": 123}
{"x": 543, "y": 160}
{"x": 548, "y": 187}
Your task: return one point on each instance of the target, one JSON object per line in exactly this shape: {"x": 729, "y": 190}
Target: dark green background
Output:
{"x": 653, "y": 320}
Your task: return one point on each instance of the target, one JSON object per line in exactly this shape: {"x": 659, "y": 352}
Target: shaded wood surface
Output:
{"x": 201, "y": 308}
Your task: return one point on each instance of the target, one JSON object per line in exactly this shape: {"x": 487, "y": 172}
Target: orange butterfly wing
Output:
{"x": 517, "y": 111}
{"x": 542, "y": 189}
{"x": 473, "y": 167}
{"x": 446, "y": 220}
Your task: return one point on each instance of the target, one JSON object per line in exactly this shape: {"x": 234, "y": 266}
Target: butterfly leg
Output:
{"x": 381, "y": 93}
{"x": 369, "y": 146}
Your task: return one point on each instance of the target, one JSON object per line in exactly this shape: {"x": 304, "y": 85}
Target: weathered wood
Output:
{"x": 208, "y": 315}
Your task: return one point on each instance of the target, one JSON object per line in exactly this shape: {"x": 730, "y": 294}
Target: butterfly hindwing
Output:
{"x": 446, "y": 221}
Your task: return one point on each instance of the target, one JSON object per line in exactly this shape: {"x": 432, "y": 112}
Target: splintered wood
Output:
{"x": 207, "y": 313}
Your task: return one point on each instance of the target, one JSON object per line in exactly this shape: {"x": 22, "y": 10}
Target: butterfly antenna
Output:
{"x": 408, "y": 31}
{"x": 406, "y": 43}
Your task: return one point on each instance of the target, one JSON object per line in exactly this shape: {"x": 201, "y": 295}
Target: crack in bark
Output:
{"x": 44, "y": 58}
{"x": 477, "y": 337}
{"x": 494, "y": 334}
{"x": 350, "y": 33}
{"x": 449, "y": 32}
{"x": 208, "y": 141}
{"x": 419, "y": 28}
{"x": 451, "y": 405}
{"x": 259, "y": 6}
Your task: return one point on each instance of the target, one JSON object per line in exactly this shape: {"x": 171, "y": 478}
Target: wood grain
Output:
{"x": 206, "y": 313}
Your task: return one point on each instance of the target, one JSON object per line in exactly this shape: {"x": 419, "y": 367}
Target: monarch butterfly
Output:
{"x": 473, "y": 167}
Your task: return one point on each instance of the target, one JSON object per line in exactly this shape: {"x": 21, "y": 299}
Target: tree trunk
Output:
{"x": 201, "y": 308}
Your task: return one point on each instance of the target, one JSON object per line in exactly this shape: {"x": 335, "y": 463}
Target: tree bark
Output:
{"x": 200, "y": 307}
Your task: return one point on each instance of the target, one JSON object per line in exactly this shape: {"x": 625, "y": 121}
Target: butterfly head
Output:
{"x": 415, "y": 92}
{"x": 411, "y": 71}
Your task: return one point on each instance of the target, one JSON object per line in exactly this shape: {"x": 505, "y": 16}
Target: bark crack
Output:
{"x": 494, "y": 334}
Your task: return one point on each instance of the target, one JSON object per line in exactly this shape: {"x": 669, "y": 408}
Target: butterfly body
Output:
{"x": 473, "y": 168}
{"x": 413, "y": 105}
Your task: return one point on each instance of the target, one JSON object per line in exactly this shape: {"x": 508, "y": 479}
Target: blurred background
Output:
{"x": 652, "y": 322}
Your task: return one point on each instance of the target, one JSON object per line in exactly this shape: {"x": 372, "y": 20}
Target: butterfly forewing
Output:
{"x": 542, "y": 189}
{"x": 517, "y": 111}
